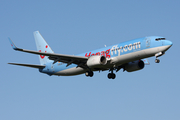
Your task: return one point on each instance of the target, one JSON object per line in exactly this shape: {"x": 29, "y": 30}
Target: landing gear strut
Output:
{"x": 89, "y": 73}
{"x": 111, "y": 75}
{"x": 158, "y": 55}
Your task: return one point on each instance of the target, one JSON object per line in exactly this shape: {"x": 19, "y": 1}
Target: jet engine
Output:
{"x": 134, "y": 66}
{"x": 95, "y": 61}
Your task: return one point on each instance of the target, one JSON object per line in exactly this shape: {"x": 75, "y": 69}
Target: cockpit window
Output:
{"x": 157, "y": 39}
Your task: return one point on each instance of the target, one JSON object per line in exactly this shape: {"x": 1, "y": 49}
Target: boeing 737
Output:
{"x": 129, "y": 56}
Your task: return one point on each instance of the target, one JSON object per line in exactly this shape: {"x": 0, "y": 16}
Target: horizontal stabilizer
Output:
{"x": 29, "y": 65}
{"x": 12, "y": 44}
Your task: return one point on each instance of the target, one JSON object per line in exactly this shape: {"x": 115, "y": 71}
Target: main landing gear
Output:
{"x": 89, "y": 73}
{"x": 111, "y": 75}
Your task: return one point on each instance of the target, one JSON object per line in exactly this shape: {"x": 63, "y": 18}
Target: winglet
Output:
{"x": 12, "y": 44}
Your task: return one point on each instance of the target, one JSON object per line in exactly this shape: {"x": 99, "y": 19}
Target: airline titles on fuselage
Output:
{"x": 116, "y": 49}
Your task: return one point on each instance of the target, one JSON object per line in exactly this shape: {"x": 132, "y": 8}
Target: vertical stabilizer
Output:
{"x": 42, "y": 46}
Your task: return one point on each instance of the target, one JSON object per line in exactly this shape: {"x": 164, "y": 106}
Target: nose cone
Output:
{"x": 168, "y": 43}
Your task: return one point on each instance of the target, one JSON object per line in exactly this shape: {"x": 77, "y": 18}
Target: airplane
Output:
{"x": 129, "y": 56}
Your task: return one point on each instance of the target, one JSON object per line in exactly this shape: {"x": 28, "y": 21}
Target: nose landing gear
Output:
{"x": 158, "y": 55}
{"x": 157, "y": 60}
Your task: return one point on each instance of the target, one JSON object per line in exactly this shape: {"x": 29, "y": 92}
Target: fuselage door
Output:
{"x": 148, "y": 42}
{"x": 52, "y": 67}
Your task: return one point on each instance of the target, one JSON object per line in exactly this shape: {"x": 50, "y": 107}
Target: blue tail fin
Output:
{"x": 42, "y": 46}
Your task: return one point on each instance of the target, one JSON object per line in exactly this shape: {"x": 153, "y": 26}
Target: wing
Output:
{"x": 69, "y": 59}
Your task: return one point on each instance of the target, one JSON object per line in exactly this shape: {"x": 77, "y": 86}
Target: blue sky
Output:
{"x": 73, "y": 27}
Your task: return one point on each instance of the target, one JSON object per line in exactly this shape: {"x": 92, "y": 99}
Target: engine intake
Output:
{"x": 95, "y": 61}
{"x": 134, "y": 66}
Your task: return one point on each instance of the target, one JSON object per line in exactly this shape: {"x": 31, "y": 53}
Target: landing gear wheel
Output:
{"x": 111, "y": 76}
{"x": 89, "y": 73}
{"x": 157, "y": 60}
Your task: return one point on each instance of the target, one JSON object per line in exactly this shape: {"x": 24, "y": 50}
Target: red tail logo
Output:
{"x": 42, "y": 56}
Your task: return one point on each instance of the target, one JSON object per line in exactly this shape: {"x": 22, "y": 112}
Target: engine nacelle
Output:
{"x": 95, "y": 61}
{"x": 134, "y": 66}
